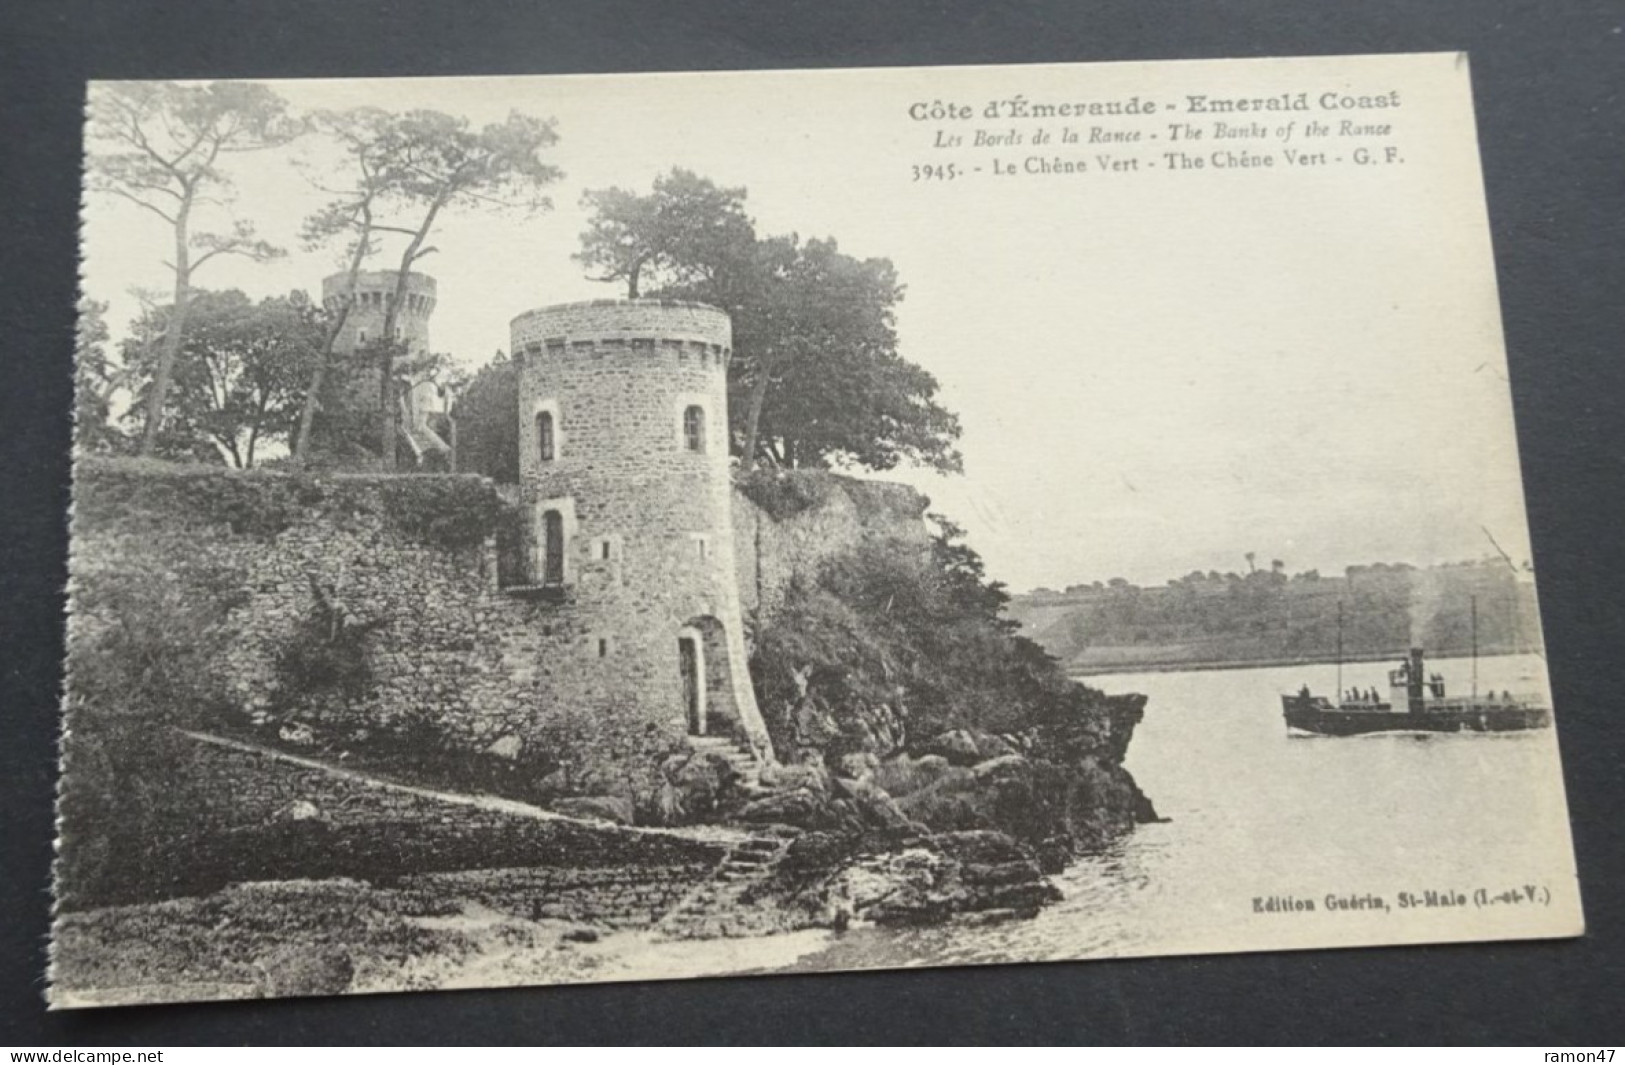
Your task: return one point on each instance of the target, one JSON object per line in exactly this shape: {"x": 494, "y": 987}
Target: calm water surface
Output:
{"x": 1255, "y": 812}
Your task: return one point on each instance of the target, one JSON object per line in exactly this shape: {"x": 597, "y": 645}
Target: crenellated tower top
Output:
{"x": 375, "y": 290}
{"x": 683, "y": 324}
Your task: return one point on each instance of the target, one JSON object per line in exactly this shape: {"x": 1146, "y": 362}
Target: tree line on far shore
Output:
{"x": 817, "y": 379}
{"x": 1271, "y": 615}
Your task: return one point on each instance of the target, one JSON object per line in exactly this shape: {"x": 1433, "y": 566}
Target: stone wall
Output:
{"x": 247, "y": 815}
{"x": 447, "y": 648}
{"x": 628, "y": 896}
{"x": 806, "y": 517}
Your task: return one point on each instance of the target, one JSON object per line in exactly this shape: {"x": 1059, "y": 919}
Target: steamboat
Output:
{"x": 1416, "y": 702}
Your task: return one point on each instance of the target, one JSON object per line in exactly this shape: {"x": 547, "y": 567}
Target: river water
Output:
{"x": 1255, "y": 813}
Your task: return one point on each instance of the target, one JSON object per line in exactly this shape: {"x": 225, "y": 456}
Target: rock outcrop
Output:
{"x": 906, "y": 878}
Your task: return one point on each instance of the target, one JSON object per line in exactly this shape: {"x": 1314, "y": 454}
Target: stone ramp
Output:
{"x": 715, "y": 834}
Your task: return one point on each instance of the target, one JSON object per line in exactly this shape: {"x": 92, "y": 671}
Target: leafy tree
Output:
{"x": 96, "y": 379}
{"x": 486, "y": 415}
{"x": 686, "y": 231}
{"x": 965, "y": 576}
{"x": 430, "y": 163}
{"x": 819, "y": 380}
{"x": 161, "y": 145}
{"x": 240, "y": 376}
{"x": 816, "y": 378}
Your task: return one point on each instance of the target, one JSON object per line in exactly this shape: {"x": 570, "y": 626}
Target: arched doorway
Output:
{"x": 707, "y": 678}
{"x": 691, "y": 666}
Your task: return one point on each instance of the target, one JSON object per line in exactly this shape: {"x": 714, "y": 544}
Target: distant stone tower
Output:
{"x": 421, "y": 401}
{"x": 374, "y": 290}
{"x": 623, "y": 445}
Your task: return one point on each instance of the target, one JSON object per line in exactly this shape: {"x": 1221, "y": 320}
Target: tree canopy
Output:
{"x": 160, "y": 146}
{"x": 240, "y": 376}
{"x": 487, "y": 417}
{"x": 685, "y": 232}
{"x": 816, "y": 378}
{"x": 429, "y": 163}
{"x": 96, "y": 377}
{"x": 821, "y": 382}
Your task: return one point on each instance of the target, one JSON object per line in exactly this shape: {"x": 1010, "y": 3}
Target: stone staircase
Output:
{"x": 743, "y": 760}
{"x": 714, "y": 910}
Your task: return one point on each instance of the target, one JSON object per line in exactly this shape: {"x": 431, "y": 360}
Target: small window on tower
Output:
{"x": 363, "y": 335}
{"x": 694, "y": 428}
{"x": 544, "y": 436}
{"x": 603, "y": 647}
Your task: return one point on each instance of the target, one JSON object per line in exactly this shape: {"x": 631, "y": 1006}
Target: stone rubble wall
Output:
{"x": 634, "y": 896}
{"x": 447, "y": 648}
{"x": 774, "y": 551}
{"x": 302, "y": 821}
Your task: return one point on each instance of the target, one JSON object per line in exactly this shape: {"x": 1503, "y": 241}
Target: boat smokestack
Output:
{"x": 1415, "y": 680}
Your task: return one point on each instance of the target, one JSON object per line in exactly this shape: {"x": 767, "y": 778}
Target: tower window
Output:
{"x": 694, "y": 429}
{"x": 603, "y": 647}
{"x": 544, "y": 436}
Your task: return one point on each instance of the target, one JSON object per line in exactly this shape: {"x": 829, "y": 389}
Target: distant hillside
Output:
{"x": 1266, "y": 617}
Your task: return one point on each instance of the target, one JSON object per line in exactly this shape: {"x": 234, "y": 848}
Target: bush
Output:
{"x": 917, "y": 629}
{"x": 487, "y": 417}
{"x": 135, "y": 492}
{"x": 783, "y": 494}
{"x": 142, "y": 660}
{"x": 324, "y": 665}
{"x": 445, "y": 510}
{"x": 448, "y": 511}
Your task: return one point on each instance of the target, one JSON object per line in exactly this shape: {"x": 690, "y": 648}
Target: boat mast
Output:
{"x": 1475, "y": 648}
{"x": 1340, "y": 650}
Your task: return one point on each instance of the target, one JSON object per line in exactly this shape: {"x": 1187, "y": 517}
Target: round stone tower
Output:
{"x": 623, "y": 444}
{"x": 374, "y": 290}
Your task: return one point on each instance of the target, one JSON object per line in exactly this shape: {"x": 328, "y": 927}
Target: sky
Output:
{"x": 1155, "y": 372}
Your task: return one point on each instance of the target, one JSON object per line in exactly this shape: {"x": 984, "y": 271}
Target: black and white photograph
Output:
{"x": 583, "y": 528}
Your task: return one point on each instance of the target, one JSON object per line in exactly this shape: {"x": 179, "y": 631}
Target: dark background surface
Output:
{"x": 1548, "y": 80}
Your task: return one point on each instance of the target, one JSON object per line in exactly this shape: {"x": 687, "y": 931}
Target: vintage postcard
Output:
{"x": 558, "y": 529}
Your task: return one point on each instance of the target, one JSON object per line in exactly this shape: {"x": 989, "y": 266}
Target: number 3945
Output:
{"x": 936, "y": 172}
